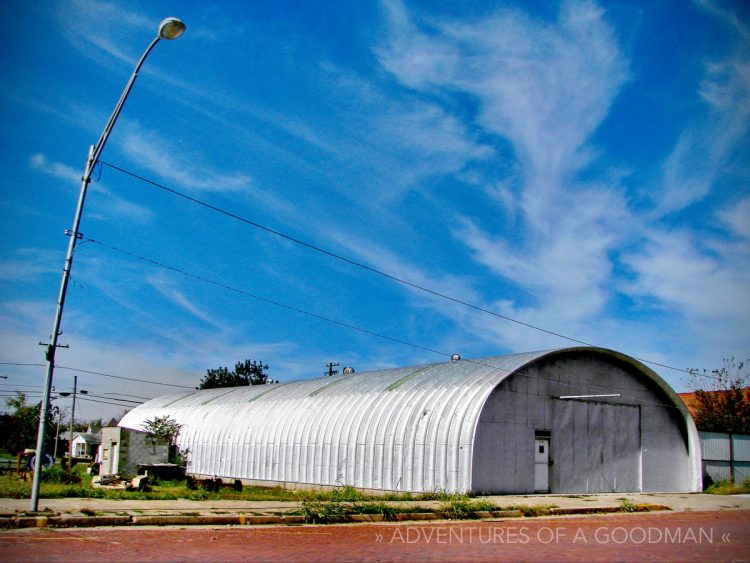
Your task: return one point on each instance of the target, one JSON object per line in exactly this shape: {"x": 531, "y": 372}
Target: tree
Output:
{"x": 167, "y": 429}
{"x": 19, "y": 429}
{"x": 722, "y": 398}
{"x": 245, "y": 373}
{"x": 163, "y": 427}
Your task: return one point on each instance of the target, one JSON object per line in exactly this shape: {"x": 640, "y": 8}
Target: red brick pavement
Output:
{"x": 685, "y": 536}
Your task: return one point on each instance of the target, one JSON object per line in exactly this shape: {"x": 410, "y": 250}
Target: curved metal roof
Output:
{"x": 409, "y": 428}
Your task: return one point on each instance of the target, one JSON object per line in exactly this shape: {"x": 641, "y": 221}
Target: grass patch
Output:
{"x": 320, "y": 512}
{"x": 531, "y": 511}
{"x": 62, "y": 484}
{"x": 627, "y": 505}
{"x": 729, "y": 488}
{"x": 330, "y": 512}
{"x": 442, "y": 496}
{"x": 461, "y": 507}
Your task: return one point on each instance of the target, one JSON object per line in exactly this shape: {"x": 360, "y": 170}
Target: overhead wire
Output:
{"x": 263, "y": 299}
{"x": 327, "y": 319}
{"x": 79, "y": 370}
{"x": 362, "y": 266}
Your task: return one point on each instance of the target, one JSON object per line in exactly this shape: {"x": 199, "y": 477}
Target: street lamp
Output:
{"x": 169, "y": 28}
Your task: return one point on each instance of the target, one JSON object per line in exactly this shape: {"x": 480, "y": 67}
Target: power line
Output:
{"x": 264, "y": 299}
{"x": 330, "y": 366}
{"x": 99, "y": 373}
{"x": 125, "y": 378}
{"x": 102, "y": 402}
{"x": 362, "y": 266}
{"x": 113, "y": 399}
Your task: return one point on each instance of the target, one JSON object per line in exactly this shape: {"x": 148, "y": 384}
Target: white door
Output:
{"x": 115, "y": 453}
{"x": 541, "y": 465}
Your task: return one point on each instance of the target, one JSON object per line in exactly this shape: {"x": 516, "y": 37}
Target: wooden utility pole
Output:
{"x": 331, "y": 371}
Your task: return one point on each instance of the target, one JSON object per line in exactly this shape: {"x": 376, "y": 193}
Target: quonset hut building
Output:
{"x": 574, "y": 420}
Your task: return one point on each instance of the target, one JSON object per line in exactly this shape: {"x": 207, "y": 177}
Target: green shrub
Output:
{"x": 728, "y": 487}
{"x": 56, "y": 474}
{"x": 626, "y": 505}
{"x": 198, "y": 494}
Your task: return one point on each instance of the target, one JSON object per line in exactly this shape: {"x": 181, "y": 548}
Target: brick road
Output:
{"x": 685, "y": 536}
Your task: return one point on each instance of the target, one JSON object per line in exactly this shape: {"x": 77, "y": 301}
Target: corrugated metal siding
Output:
{"x": 409, "y": 429}
{"x": 715, "y": 446}
{"x": 718, "y": 459}
{"x": 741, "y": 446}
{"x": 405, "y": 429}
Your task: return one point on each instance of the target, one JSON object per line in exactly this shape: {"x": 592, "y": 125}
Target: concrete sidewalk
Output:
{"x": 93, "y": 512}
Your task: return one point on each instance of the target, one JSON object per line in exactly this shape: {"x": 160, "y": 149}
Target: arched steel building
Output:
{"x": 569, "y": 420}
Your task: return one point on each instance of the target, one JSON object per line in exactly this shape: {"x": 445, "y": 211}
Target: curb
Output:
{"x": 250, "y": 520}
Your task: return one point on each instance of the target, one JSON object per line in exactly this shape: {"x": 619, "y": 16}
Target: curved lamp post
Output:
{"x": 169, "y": 28}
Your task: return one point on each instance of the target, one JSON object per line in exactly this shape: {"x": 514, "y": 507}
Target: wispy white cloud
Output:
{"x": 736, "y": 217}
{"x": 110, "y": 205}
{"x": 167, "y": 289}
{"x": 105, "y": 25}
{"x": 703, "y": 275}
{"x": 546, "y": 87}
{"x": 55, "y": 169}
{"x": 698, "y": 275}
{"x": 402, "y": 141}
{"x": 701, "y": 152}
{"x": 156, "y": 154}
{"x": 28, "y": 263}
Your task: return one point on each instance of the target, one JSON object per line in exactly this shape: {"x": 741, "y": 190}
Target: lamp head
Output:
{"x": 171, "y": 28}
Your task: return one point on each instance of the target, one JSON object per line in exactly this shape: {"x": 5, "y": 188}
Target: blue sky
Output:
{"x": 578, "y": 166}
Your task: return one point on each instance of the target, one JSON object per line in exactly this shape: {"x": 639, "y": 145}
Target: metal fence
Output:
{"x": 725, "y": 456}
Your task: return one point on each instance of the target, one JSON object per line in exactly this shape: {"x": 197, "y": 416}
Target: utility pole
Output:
{"x": 57, "y": 433}
{"x": 169, "y": 28}
{"x": 72, "y": 417}
{"x": 72, "y": 422}
{"x": 331, "y": 371}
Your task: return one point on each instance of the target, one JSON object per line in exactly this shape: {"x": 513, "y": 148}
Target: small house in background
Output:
{"x": 85, "y": 445}
{"x": 122, "y": 450}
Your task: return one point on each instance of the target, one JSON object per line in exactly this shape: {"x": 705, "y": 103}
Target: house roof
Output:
{"x": 86, "y": 437}
{"x": 691, "y": 401}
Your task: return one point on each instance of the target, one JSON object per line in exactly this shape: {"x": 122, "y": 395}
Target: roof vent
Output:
{"x": 455, "y": 357}
{"x": 348, "y": 370}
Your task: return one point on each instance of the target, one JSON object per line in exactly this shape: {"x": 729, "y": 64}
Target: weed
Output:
{"x": 441, "y": 495}
{"x": 387, "y": 511}
{"x": 56, "y": 474}
{"x": 316, "y": 512}
{"x": 531, "y": 511}
{"x": 627, "y": 506}
{"x": 200, "y": 494}
{"x": 729, "y": 488}
{"x": 347, "y": 494}
{"x": 461, "y": 507}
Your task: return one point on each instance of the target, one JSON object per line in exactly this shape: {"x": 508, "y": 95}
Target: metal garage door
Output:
{"x": 596, "y": 447}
